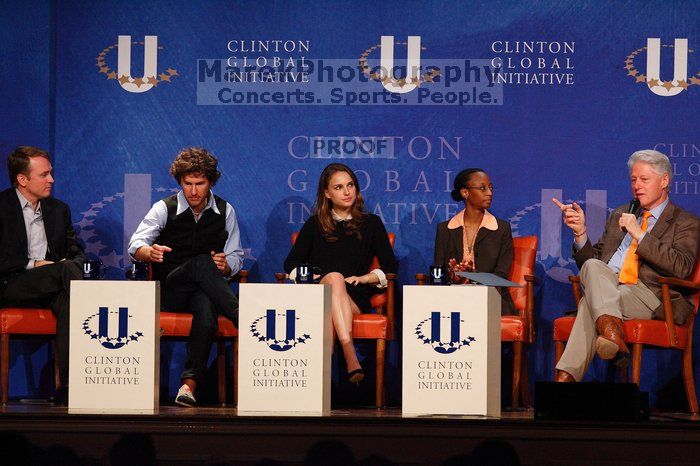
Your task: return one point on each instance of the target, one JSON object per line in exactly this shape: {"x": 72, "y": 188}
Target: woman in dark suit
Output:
{"x": 474, "y": 240}
{"x": 341, "y": 238}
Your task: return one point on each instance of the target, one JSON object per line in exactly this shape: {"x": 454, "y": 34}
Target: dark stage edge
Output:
{"x": 218, "y": 435}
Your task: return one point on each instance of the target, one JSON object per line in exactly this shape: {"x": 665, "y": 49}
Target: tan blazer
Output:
{"x": 668, "y": 250}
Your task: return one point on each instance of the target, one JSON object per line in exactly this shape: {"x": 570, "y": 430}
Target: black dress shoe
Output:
{"x": 61, "y": 396}
{"x": 356, "y": 376}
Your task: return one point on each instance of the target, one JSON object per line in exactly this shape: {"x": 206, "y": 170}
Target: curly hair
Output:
{"x": 195, "y": 161}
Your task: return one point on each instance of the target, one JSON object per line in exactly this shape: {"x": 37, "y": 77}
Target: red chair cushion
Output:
{"x": 562, "y": 328}
{"x": 27, "y": 321}
{"x": 369, "y": 326}
{"x": 653, "y": 332}
{"x": 513, "y": 328}
{"x": 178, "y": 324}
{"x": 646, "y": 332}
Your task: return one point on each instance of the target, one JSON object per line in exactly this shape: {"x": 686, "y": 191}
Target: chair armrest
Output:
{"x": 668, "y": 315}
{"x": 533, "y": 279}
{"x": 280, "y": 277}
{"x": 242, "y": 276}
{"x": 576, "y": 285}
{"x": 390, "y": 303}
{"x": 527, "y": 313}
{"x": 421, "y": 278}
{"x": 678, "y": 282}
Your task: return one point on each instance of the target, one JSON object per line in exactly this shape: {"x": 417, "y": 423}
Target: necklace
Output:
{"x": 469, "y": 234}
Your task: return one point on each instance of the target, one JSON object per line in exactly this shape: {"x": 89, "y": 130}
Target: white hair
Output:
{"x": 658, "y": 162}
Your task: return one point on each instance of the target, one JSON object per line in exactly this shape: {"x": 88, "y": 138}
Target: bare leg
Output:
{"x": 343, "y": 309}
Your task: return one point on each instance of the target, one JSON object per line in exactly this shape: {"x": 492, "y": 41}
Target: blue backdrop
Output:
{"x": 567, "y": 106}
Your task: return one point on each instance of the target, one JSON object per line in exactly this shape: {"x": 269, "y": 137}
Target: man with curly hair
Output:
{"x": 193, "y": 242}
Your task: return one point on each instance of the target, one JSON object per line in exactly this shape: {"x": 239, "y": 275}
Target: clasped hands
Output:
{"x": 157, "y": 252}
{"x": 454, "y": 267}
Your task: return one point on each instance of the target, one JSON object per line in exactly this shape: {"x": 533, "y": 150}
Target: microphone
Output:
{"x": 634, "y": 208}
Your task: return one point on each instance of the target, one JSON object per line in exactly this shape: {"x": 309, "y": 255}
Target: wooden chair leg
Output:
{"x": 56, "y": 372}
{"x": 558, "y": 351}
{"x": 636, "y": 362}
{"x": 525, "y": 385}
{"x": 688, "y": 379}
{"x": 5, "y": 365}
{"x": 381, "y": 354}
{"x": 517, "y": 365}
{"x": 221, "y": 369}
{"x": 235, "y": 371}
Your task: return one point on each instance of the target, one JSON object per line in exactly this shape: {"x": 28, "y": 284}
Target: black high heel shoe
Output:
{"x": 356, "y": 376}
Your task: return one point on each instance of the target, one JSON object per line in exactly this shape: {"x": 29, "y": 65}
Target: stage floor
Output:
{"x": 214, "y": 435}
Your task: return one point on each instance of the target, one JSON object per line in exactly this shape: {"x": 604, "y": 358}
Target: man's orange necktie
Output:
{"x": 630, "y": 266}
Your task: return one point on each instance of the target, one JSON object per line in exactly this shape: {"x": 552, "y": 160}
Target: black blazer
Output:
{"x": 61, "y": 238}
{"x": 493, "y": 253}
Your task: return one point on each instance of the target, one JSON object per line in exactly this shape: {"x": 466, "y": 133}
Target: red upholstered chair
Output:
{"x": 518, "y": 329}
{"x": 378, "y": 325}
{"x": 22, "y": 321}
{"x": 177, "y": 325}
{"x": 655, "y": 333}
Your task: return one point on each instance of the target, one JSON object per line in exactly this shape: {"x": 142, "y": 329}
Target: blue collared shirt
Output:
{"x": 37, "y": 244}
{"x": 157, "y": 217}
{"x": 615, "y": 262}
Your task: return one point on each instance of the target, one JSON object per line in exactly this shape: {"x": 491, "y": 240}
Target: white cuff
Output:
{"x": 292, "y": 275}
{"x": 30, "y": 264}
{"x": 381, "y": 276}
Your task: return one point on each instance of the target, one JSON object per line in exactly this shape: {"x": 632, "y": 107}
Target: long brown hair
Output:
{"x": 323, "y": 205}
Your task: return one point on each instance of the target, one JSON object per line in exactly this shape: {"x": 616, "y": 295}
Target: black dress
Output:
{"x": 347, "y": 255}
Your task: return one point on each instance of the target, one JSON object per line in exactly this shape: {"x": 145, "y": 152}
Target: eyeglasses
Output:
{"x": 482, "y": 188}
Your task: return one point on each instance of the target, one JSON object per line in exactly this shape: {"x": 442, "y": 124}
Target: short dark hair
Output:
{"x": 195, "y": 161}
{"x": 461, "y": 181}
{"x": 19, "y": 159}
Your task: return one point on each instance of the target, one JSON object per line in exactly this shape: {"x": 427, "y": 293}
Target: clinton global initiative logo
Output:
{"x": 264, "y": 328}
{"x": 433, "y": 326}
{"x": 386, "y": 73}
{"x": 97, "y": 327}
{"x": 151, "y": 77}
{"x": 652, "y": 77}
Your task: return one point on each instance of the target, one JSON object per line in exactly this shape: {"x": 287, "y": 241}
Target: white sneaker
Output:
{"x": 185, "y": 397}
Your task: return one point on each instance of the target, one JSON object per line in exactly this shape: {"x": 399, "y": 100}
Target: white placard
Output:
{"x": 114, "y": 346}
{"x": 284, "y": 349}
{"x": 452, "y": 350}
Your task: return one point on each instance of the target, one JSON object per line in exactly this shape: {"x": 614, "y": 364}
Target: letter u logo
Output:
{"x": 271, "y": 330}
{"x": 150, "y": 65}
{"x": 680, "y": 66}
{"x": 437, "y": 273}
{"x": 121, "y": 340}
{"x": 87, "y": 268}
{"x": 454, "y": 332}
{"x": 412, "y": 65}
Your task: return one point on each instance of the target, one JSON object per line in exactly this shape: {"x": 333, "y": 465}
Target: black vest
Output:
{"x": 188, "y": 238}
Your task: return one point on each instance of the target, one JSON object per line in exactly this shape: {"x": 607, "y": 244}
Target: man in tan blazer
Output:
{"x": 620, "y": 272}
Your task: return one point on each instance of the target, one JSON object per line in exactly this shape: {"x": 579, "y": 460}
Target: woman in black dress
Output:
{"x": 474, "y": 240}
{"x": 341, "y": 239}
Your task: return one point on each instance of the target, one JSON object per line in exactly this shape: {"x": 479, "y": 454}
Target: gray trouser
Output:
{"x": 603, "y": 296}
